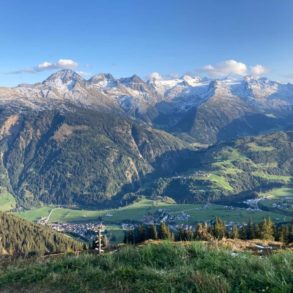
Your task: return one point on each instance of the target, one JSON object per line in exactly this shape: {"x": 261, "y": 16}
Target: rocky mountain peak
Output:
{"x": 65, "y": 76}
{"x": 102, "y": 80}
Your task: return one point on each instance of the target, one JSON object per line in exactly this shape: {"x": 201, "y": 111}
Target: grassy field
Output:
{"x": 160, "y": 267}
{"x": 34, "y": 214}
{"x": 279, "y": 200}
{"x": 135, "y": 212}
{"x": 284, "y": 179}
{"x": 277, "y": 193}
{"x": 7, "y": 201}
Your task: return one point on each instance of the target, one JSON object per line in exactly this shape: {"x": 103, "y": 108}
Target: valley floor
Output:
{"x": 146, "y": 211}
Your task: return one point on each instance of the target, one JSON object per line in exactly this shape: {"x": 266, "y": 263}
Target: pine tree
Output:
{"x": 219, "y": 230}
{"x": 256, "y": 231}
{"x": 242, "y": 232}
{"x": 267, "y": 229}
{"x": 202, "y": 232}
{"x": 141, "y": 234}
{"x": 129, "y": 237}
{"x": 188, "y": 234}
{"x": 185, "y": 234}
{"x": 234, "y": 232}
{"x": 164, "y": 232}
{"x": 290, "y": 233}
{"x": 284, "y": 234}
{"x": 179, "y": 234}
{"x": 152, "y": 232}
{"x": 250, "y": 230}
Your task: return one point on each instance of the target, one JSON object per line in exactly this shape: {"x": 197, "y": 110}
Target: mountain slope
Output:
{"x": 223, "y": 110}
{"x": 237, "y": 169}
{"x": 19, "y": 237}
{"x": 69, "y": 140}
{"x": 80, "y": 156}
{"x": 207, "y": 110}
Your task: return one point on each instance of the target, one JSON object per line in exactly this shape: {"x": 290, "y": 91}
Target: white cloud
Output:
{"x": 66, "y": 63}
{"x": 228, "y": 67}
{"x": 46, "y": 66}
{"x": 155, "y": 76}
{"x": 258, "y": 70}
{"x": 60, "y": 64}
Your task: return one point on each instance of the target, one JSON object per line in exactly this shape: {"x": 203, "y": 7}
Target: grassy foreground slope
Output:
{"x": 163, "y": 267}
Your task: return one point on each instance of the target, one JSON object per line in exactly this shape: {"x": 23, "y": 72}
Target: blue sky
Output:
{"x": 210, "y": 37}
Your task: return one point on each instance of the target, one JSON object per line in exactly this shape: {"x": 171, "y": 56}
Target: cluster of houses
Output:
{"x": 285, "y": 204}
{"x": 84, "y": 230}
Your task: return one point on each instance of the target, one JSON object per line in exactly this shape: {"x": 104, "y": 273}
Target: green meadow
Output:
{"x": 7, "y": 201}
{"x": 136, "y": 211}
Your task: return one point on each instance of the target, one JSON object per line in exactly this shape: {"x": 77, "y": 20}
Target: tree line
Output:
{"x": 265, "y": 230}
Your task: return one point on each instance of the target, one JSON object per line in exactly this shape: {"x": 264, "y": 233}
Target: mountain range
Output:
{"x": 71, "y": 140}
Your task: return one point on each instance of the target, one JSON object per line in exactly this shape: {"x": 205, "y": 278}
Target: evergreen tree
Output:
{"x": 202, "y": 232}
{"x": 129, "y": 237}
{"x": 256, "y": 231}
{"x": 179, "y": 234}
{"x": 219, "y": 230}
{"x": 290, "y": 233}
{"x": 152, "y": 232}
{"x": 185, "y": 234}
{"x": 140, "y": 234}
{"x": 250, "y": 230}
{"x": 242, "y": 232}
{"x": 283, "y": 234}
{"x": 267, "y": 229}
{"x": 164, "y": 232}
{"x": 234, "y": 232}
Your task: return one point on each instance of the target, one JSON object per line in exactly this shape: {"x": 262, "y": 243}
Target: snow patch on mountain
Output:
{"x": 133, "y": 94}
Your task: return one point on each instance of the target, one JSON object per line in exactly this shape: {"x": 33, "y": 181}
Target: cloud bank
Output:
{"x": 232, "y": 67}
{"x": 258, "y": 70}
{"x": 47, "y": 66}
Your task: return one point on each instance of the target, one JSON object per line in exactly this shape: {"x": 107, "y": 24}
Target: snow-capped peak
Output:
{"x": 102, "y": 80}
{"x": 65, "y": 76}
{"x": 134, "y": 94}
{"x": 65, "y": 79}
{"x": 134, "y": 79}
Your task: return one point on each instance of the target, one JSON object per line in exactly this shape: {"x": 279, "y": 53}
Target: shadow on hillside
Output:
{"x": 253, "y": 124}
{"x": 169, "y": 164}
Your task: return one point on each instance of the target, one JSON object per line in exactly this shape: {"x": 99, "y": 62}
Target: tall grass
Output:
{"x": 164, "y": 267}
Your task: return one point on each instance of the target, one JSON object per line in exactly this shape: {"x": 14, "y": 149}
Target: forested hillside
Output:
{"x": 20, "y": 237}
{"x": 79, "y": 156}
{"x": 241, "y": 168}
